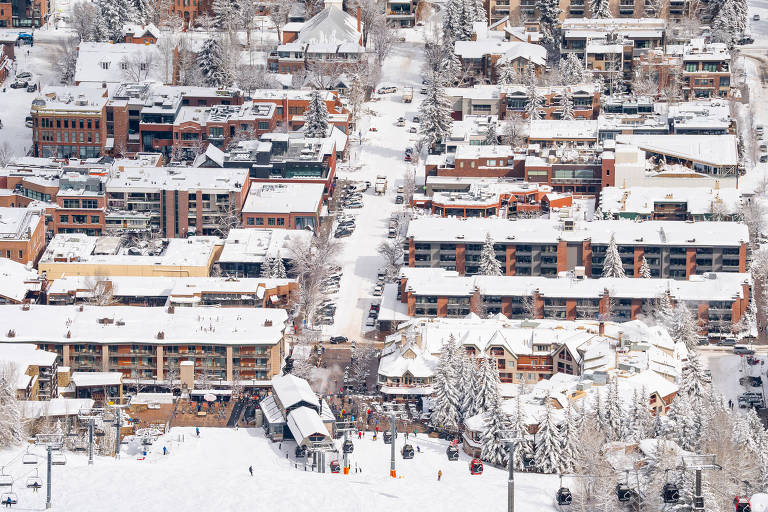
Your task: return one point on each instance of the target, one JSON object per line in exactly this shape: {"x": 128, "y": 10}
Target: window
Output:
{"x": 259, "y": 221}
{"x": 94, "y": 219}
{"x": 691, "y": 67}
{"x": 216, "y": 132}
{"x": 123, "y": 65}
{"x": 263, "y": 125}
{"x": 64, "y": 219}
{"x": 104, "y": 65}
{"x": 249, "y": 221}
{"x": 271, "y": 221}
{"x": 281, "y": 222}
{"x": 71, "y": 203}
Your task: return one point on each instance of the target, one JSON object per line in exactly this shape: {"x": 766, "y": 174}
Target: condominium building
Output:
{"x": 534, "y": 247}
{"x": 22, "y": 234}
{"x": 147, "y": 342}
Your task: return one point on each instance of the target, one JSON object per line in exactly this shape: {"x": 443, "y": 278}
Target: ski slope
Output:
{"x": 210, "y": 473}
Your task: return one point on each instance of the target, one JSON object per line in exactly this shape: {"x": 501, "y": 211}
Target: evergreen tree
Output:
{"x": 480, "y": 14}
{"x": 452, "y": 68}
{"x": 600, "y": 413}
{"x": 489, "y": 265}
{"x": 494, "y": 449}
{"x": 488, "y": 385}
{"x": 435, "y": 113}
{"x": 680, "y": 426}
{"x": 147, "y": 11}
{"x": 266, "y": 268}
{"x": 225, "y": 13}
{"x": 567, "y": 105}
{"x": 730, "y": 22}
{"x": 570, "y": 433}
{"x": 612, "y": 266}
{"x": 470, "y": 378}
{"x": 212, "y": 66}
{"x": 519, "y": 430}
{"x": 445, "y": 414}
{"x": 278, "y": 268}
{"x": 549, "y": 444}
{"x": 640, "y": 423}
{"x": 614, "y": 414}
{"x": 663, "y": 310}
{"x": 535, "y": 101}
{"x": 645, "y": 270}
{"x": 491, "y": 138}
{"x": 600, "y": 9}
{"x": 683, "y": 326}
{"x": 316, "y": 125}
{"x": 507, "y": 74}
{"x": 114, "y": 14}
{"x": 12, "y": 431}
{"x": 549, "y": 21}
{"x": 693, "y": 382}
{"x": 572, "y": 70}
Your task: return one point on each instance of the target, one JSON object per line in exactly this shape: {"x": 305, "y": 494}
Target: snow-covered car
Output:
{"x": 32, "y": 87}
{"x": 412, "y": 129}
{"x": 24, "y": 75}
{"x": 28, "y": 122}
{"x": 399, "y": 199}
{"x": 377, "y": 290}
{"x": 387, "y": 89}
{"x": 756, "y": 17}
{"x": 354, "y": 205}
{"x": 19, "y": 84}
{"x": 371, "y": 322}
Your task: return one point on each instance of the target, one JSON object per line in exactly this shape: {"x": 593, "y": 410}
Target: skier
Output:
{"x": 250, "y": 470}
{"x": 165, "y": 451}
{"x": 439, "y": 474}
{"x": 197, "y": 431}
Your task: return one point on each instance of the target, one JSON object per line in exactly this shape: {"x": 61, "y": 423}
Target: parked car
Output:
{"x": 388, "y": 89}
{"x": 763, "y": 158}
{"x": 19, "y": 84}
{"x": 377, "y": 307}
{"x": 743, "y": 350}
{"x": 756, "y": 17}
{"x": 32, "y": 87}
{"x": 28, "y": 122}
{"x": 339, "y": 339}
{"x": 399, "y": 199}
{"x": 412, "y": 129}
{"x": 400, "y": 121}
{"x": 416, "y": 119}
{"x": 727, "y": 342}
{"x": 377, "y": 290}
{"x": 354, "y": 205}
{"x": 371, "y": 322}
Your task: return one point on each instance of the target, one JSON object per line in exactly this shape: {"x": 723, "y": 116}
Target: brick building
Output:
{"x": 283, "y": 205}
{"x": 22, "y": 234}
{"x": 81, "y": 204}
{"x": 141, "y": 34}
{"x": 534, "y": 247}
{"x": 706, "y": 70}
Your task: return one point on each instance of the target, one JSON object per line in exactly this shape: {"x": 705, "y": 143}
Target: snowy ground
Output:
{"x": 728, "y": 368}
{"x": 211, "y": 473}
{"x": 381, "y": 152}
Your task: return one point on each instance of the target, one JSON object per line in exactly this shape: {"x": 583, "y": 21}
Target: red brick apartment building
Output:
{"x": 22, "y": 234}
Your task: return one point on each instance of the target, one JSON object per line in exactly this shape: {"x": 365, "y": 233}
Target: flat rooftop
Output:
{"x": 153, "y": 179}
{"x": 16, "y": 223}
{"x": 255, "y": 245}
{"x": 284, "y": 198}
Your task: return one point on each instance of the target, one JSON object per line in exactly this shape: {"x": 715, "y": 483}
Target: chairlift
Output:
{"x": 407, "y": 451}
{"x": 5, "y": 480}
{"x": 452, "y": 452}
{"x": 335, "y": 466}
{"x": 348, "y": 447}
{"x": 9, "y": 498}
{"x": 34, "y": 482}
{"x": 387, "y": 437}
{"x": 476, "y": 467}
{"x": 623, "y": 492}
{"x": 670, "y": 493}
{"x": 742, "y": 504}
{"x": 528, "y": 462}
{"x": 29, "y": 458}
{"x": 58, "y": 459}
{"x": 301, "y": 451}
{"x": 564, "y": 496}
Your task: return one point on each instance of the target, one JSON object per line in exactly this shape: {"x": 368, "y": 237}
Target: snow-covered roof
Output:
{"x": 283, "y": 197}
{"x": 18, "y": 223}
{"x": 271, "y": 411}
{"x": 642, "y": 200}
{"x": 291, "y": 390}
{"x": 563, "y": 129}
{"x": 532, "y": 52}
{"x": 142, "y": 30}
{"x": 34, "y": 409}
{"x": 87, "y": 379}
{"x": 16, "y": 279}
{"x": 102, "y": 62}
{"x": 718, "y": 150}
{"x": 626, "y": 232}
{"x": 408, "y": 359}
{"x": 134, "y": 324}
{"x": 304, "y": 422}
{"x": 256, "y": 245}
{"x": 509, "y": 50}
{"x": 23, "y": 355}
{"x": 153, "y": 179}
{"x": 331, "y": 25}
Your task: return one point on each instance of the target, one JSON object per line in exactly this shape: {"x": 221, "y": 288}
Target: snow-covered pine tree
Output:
{"x": 519, "y": 430}
{"x": 535, "y": 101}
{"x": 210, "y": 59}
{"x": 12, "y": 431}
{"x": 278, "y": 268}
{"x": 507, "y": 74}
{"x": 225, "y": 13}
{"x": 479, "y": 10}
{"x": 693, "y": 383}
{"x": 600, "y": 413}
{"x": 445, "y": 414}
{"x": 663, "y": 310}
{"x": 570, "y": 439}
{"x": 435, "y": 112}
{"x": 494, "y": 449}
{"x": 467, "y": 10}
{"x": 683, "y": 326}
{"x": 147, "y": 11}
{"x": 470, "y": 382}
{"x": 572, "y": 70}
{"x": 488, "y": 264}
{"x": 549, "y": 444}
{"x": 266, "y": 268}
{"x": 679, "y": 425}
{"x": 452, "y": 68}
{"x": 549, "y": 21}
{"x": 491, "y": 138}
{"x": 730, "y": 22}
{"x": 487, "y": 386}
{"x": 316, "y": 125}
{"x": 452, "y": 22}
{"x": 114, "y": 14}
{"x": 612, "y": 266}
{"x": 567, "y": 113}
{"x": 614, "y": 412}
{"x": 645, "y": 269}
{"x": 600, "y": 9}
{"x": 640, "y": 424}
{"x": 747, "y": 324}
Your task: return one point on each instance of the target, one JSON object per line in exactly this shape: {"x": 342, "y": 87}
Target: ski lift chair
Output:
{"x": 387, "y": 437}
{"x": 301, "y": 451}
{"x": 564, "y": 496}
{"x": 335, "y": 466}
{"x": 623, "y": 492}
{"x": 528, "y": 462}
{"x": 407, "y": 451}
{"x": 9, "y": 497}
{"x": 742, "y": 504}
{"x": 58, "y": 459}
{"x": 348, "y": 447}
{"x": 29, "y": 458}
{"x": 476, "y": 467}
{"x": 452, "y": 452}
{"x": 34, "y": 482}
{"x": 670, "y": 493}
{"x": 5, "y": 480}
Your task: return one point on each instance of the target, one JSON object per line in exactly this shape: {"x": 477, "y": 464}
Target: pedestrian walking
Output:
{"x": 418, "y": 448}
{"x": 730, "y": 403}
{"x": 250, "y": 470}
{"x": 165, "y": 451}
{"x": 197, "y": 431}
{"x": 439, "y": 474}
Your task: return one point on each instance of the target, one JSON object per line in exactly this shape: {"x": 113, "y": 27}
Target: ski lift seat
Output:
{"x": 743, "y": 505}
{"x": 407, "y": 451}
{"x": 29, "y": 458}
{"x": 335, "y": 466}
{"x": 452, "y": 452}
{"x": 387, "y": 437}
{"x": 348, "y": 446}
{"x": 564, "y": 496}
{"x": 623, "y": 492}
{"x": 9, "y": 498}
{"x": 301, "y": 451}
{"x": 670, "y": 493}
{"x": 476, "y": 467}
{"x": 34, "y": 482}
{"x": 6, "y": 480}
{"x": 58, "y": 459}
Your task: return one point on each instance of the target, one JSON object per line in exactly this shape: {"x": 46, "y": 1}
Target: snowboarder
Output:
{"x": 165, "y": 451}
{"x": 250, "y": 470}
{"x": 439, "y": 474}
{"x": 197, "y": 431}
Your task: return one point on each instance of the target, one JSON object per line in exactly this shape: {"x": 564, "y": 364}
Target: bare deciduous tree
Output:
{"x": 7, "y": 154}
{"x": 514, "y": 131}
{"x": 278, "y": 15}
{"x": 312, "y": 261}
{"x": 63, "y": 59}
{"x": 82, "y": 20}
{"x": 324, "y": 74}
{"x": 228, "y": 219}
{"x": 392, "y": 252}
{"x": 138, "y": 67}
{"x": 383, "y": 39}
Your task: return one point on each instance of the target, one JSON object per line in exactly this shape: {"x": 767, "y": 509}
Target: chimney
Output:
{"x": 601, "y": 329}
{"x": 359, "y": 28}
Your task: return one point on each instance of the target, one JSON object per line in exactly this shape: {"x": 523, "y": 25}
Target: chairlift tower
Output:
{"x": 699, "y": 463}
{"x": 393, "y": 427}
{"x": 118, "y": 422}
{"x": 511, "y": 441}
{"x": 51, "y": 442}
{"x": 345, "y": 427}
{"x": 90, "y": 415}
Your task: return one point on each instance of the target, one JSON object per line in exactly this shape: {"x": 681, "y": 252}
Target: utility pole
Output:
{"x": 392, "y": 471}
